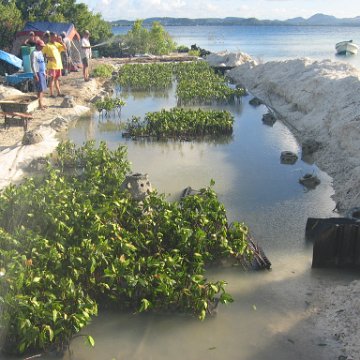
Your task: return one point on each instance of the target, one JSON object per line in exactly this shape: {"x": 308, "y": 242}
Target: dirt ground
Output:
{"x": 73, "y": 85}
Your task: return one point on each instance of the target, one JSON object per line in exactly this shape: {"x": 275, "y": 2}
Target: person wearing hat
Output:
{"x": 54, "y": 66}
{"x": 85, "y": 54}
{"x": 39, "y": 69}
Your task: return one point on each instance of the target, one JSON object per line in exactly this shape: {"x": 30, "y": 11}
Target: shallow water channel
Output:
{"x": 268, "y": 319}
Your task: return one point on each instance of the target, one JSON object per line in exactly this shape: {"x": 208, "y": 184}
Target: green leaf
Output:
{"x": 144, "y": 305}
{"x": 90, "y": 341}
{"x": 54, "y": 315}
{"x": 51, "y": 333}
{"x": 22, "y": 347}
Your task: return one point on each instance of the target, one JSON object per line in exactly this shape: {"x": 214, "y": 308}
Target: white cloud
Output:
{"x": 212, "y": 8}
{"x": 261, "y": 9}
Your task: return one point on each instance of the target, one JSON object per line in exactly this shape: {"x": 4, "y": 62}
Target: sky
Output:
{"x": 261, "y": 9}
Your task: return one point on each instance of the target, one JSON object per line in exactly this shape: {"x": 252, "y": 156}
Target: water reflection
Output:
{"x": 250, "y": 180}
{"x": 267, "y": 319}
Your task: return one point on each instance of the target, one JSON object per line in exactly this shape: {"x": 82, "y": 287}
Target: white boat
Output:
{"x": 346, "y": 48}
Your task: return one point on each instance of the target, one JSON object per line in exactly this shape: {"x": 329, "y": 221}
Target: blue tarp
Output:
{"x": 10, "y": 59}
{"x": 48, "y": 26}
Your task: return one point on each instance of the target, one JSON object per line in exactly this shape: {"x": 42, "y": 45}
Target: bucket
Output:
{"x": 25, "y": 53}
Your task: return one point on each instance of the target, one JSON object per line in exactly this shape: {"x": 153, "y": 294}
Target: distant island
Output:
{"x": 315, "y": 20}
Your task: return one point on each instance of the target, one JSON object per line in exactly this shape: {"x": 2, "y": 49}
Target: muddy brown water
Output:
{"x": 271, "y": 316}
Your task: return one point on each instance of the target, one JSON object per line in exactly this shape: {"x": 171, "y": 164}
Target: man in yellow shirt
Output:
{"x": 54, "y": 65}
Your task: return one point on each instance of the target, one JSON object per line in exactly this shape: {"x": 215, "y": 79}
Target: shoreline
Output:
{"x": 287, "y": 87}
{"x": 318, "y": 101}
{"x": 49, "y": 124}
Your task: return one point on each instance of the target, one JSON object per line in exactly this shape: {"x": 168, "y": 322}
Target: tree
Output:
{"x": 65, "y": 11}
{"x": 37, "y": 10}
{"x": 137, "y": 38}
{"x": 161, "y": 42}
{"x": 156, "y": 41}
{"x": 84, "y": 19}
{"x": 10, "y": 22}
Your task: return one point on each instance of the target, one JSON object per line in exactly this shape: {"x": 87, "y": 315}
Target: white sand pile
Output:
{"x": 339, "y": 318}
{"x": 320, "y": 99}
{"x": 228, "y": 59}
{"x": 15, "y": 160}
{"x": 7, "y": 91}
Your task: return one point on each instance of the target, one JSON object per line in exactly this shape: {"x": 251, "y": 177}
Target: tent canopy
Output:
{"x": 9, "y": 63}
{"x": 10, "y": 59}
{"x": 39, "y": 27}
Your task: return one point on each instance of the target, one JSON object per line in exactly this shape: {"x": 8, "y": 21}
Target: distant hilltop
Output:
{"x": 315, "y": 20}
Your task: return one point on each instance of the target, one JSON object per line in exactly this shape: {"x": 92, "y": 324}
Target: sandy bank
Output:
{"x": 320, "y": 101}
{"x": 49, "y": 123}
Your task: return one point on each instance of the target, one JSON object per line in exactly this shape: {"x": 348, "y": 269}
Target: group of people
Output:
{"x": 52, "y": 58}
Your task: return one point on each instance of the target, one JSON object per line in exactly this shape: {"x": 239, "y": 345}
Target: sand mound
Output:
{"x": 319, "y": 99}
{"x": 15, "y": 160}
{"x": 6, "y": 91}
{"x": 228, "y": 59}
{"x": 341, "y": 311}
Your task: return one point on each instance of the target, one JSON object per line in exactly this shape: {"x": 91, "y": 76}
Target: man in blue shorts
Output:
{"x": 39, "y": 69}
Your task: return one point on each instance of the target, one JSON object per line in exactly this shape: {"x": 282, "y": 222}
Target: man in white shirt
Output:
{"x": 85, "y": 54}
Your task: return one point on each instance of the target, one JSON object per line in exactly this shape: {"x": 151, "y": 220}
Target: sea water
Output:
{"x": 267, "y": 43}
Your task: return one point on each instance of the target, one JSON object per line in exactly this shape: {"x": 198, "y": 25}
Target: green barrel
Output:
{"x": 25, "y": 53}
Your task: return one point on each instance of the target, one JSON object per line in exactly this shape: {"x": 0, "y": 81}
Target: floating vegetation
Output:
{"x": 107, "y": 104}
{"x": 179, "y": 122}
{"x": 69, "y": 244}
{"x": 197, "y": 82}
{"x": 145, "y": 77}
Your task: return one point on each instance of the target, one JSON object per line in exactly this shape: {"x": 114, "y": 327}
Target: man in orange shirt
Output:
{"x": 54, "y": 65}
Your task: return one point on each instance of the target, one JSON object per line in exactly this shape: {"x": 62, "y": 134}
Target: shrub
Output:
{"x": 156, "y": 41}
{"x": 183, "y": 122}
{"x": 104, "y": 71}
{"x": 182, "y": 49}
{"x": 108, "y": 104}
{"x": 73, "y": 240}
{"x": 194, "y": 52}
